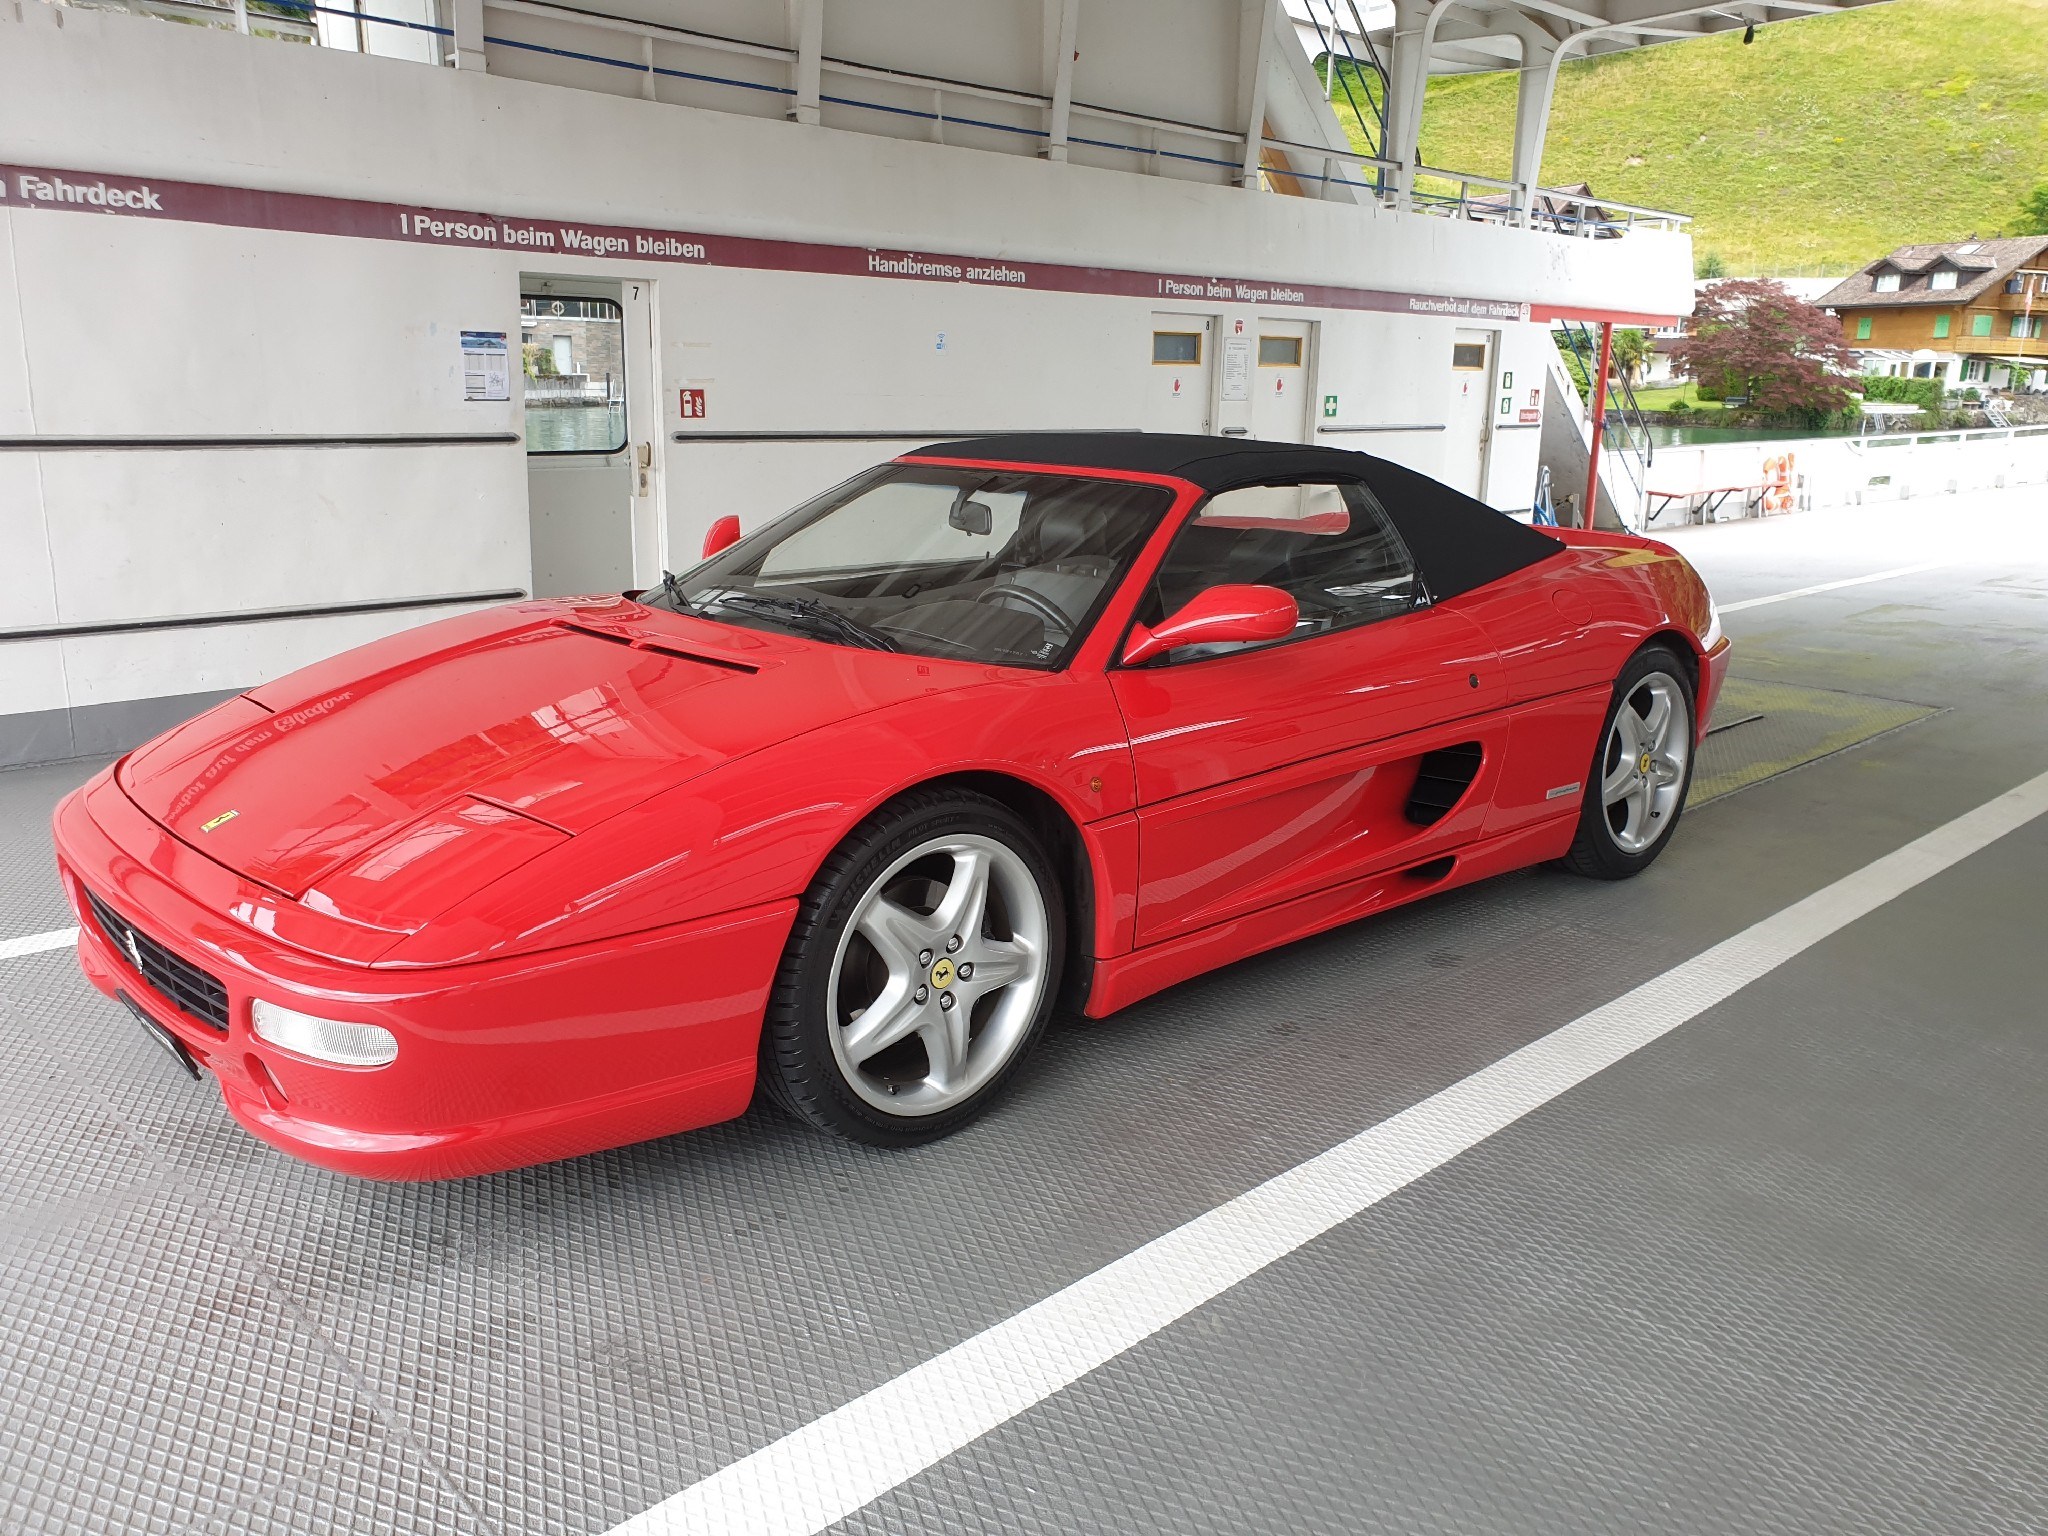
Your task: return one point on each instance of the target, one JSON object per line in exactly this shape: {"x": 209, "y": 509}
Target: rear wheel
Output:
{"x": 1641, "y": 772}
{"x": 924, "y": 961}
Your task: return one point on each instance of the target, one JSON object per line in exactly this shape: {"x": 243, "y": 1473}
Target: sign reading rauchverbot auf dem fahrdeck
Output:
{"x": 25, "y": 187}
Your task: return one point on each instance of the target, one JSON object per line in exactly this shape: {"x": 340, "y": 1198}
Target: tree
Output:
{"x": 1710, "y": 265}
{"x": 1751, "y": 336}
{"x": 1631, "y": 346}
{"x": 2034, "y": 212}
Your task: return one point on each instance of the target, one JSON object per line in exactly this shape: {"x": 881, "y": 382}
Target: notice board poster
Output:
{"x": 486, "y": 366}
{"x": 1237, "y": 367}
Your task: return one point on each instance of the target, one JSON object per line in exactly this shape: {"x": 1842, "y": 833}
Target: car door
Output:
{"x": 1266, "y": 772}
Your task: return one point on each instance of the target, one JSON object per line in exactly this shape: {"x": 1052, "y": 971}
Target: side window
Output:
{"x": 1328, "y": 546}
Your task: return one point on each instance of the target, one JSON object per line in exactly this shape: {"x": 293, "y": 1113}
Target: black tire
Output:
{"x": 1597, "y": 851}
{"x": 799, "y": 1068}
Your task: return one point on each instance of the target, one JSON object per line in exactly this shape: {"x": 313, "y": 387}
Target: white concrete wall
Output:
{"x": 115, "y": 326}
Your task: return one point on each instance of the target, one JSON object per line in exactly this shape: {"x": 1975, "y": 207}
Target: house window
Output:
{"x": 1863, "y": 327}
{"x": 2024, "y": 328}
{"x": 1980, "y": 325}
{"x": 1887, "y": 282}
{"x": 1942, "y": 279}
{"x": 1923, "y": 370}
{"x": 1177, "y": 347}
{"x": 1940, "y": 326}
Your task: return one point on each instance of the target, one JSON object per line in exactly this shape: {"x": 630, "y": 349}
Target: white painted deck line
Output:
{"x": 1831, "y": 586}
{"x": 36, "y": 943}
{"x": 834, "y": 1465}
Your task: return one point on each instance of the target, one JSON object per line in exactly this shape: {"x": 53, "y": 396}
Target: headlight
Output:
{"x": 349, "y": 1045}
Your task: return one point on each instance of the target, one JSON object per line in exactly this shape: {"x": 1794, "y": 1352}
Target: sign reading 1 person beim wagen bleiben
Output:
{"x": 191, "y": 202}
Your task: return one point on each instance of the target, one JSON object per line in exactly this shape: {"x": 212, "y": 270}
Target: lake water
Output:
{"x": 1693, "y": 437}
{"x": 575, "y": 429}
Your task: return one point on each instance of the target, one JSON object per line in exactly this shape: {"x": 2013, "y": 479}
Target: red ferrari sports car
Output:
{"x": 844, "y": 812}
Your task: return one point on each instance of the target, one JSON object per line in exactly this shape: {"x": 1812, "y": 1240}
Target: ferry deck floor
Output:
{"x": 1778, "y": 1269}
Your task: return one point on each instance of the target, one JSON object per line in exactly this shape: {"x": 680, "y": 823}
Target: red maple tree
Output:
{"x": 1751, "y": 336}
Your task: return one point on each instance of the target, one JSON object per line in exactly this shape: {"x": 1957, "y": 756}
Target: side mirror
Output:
{"x": 1217, "y": 615}
{"x": 972, "y": 517}
{"x": 721, "y": 535}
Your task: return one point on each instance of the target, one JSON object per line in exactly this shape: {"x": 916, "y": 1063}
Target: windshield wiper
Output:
{"x": 804, "y": 610}
{"x": 672, "y": 584}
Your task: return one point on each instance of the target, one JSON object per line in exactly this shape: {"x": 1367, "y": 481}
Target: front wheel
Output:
{"x": 924, "y": 962}
{"x": 1641, "y": 772}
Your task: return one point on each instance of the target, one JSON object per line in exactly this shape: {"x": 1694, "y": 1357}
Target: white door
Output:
{"x": 1469, "y": 431}
{"x": 581, "y": 436}
{"x": 1282, "y": 380}
{"x": 1183, "y": 364}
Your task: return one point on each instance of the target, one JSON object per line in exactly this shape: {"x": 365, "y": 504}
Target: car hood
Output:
{"x": 391, "y": 781}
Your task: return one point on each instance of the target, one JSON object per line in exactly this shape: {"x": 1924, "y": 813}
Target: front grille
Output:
{"x": 190, "y": 990}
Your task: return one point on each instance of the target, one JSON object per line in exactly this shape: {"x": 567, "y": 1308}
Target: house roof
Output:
{"x": 1980, "y": 266}
{"x": 1557, "y": 202}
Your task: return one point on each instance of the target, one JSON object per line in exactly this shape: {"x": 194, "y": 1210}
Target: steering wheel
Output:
{"x": 1042, "y": 608}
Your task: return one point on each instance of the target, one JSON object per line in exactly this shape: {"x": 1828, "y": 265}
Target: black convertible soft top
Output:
{"x": 1460, "y": 543}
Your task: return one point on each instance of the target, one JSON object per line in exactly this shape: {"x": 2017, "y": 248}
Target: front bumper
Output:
{"x": 500, "y": 1064}
{"x": 1713, "y": 673}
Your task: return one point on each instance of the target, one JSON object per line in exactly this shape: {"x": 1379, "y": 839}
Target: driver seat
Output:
{"x": 1049, "y": 562}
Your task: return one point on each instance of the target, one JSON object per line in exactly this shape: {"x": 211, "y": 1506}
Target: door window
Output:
{"x": 1328, "y": 546}
{"x": 573, "y": 358}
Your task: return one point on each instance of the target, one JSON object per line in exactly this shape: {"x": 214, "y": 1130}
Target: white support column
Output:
{"x": 1532, "y": 120}
{"x": 1062, "y": 32}
{"x": 807, "y": 39}
{"x": 1257, "y": 22}
{"x": 466, "y": 20}
{"x": 1407, "y": 80}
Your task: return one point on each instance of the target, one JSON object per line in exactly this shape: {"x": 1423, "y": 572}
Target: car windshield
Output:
{"x": 982, "y": 565}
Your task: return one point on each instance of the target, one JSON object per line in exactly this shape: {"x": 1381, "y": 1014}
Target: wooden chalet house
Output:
{"x": 1968, "y": 312}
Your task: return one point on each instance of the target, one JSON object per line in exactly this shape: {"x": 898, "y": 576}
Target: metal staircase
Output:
{"x": 1328, "y": 17}
{"x": 1625, "y": 434}
{"x": 1995, "y": 412}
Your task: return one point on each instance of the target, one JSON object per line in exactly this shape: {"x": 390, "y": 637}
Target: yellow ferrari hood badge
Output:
{"x": 221, "y": 820}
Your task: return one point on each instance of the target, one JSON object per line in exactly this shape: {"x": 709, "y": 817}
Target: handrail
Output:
{"x": 1383, "y": 187}
{"x": 1332, "y": 72}
{"x": 1636, "y": 449}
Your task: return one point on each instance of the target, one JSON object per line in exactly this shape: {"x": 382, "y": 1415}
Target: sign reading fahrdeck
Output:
{"x": 188, "y": 202}
{"x": 52, "y": 188}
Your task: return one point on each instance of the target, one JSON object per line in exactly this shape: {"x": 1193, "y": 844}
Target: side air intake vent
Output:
{"x": 1442, "y": 780}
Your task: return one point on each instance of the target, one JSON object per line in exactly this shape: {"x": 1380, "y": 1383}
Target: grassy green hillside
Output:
{"x": 1815, "y": 149}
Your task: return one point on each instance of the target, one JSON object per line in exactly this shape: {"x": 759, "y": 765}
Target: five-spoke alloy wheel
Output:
{"x": 1641, "y": 772}
{"x": 923, "y": 963}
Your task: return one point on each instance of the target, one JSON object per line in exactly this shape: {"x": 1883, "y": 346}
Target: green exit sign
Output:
{"x": 1329, "y": 406}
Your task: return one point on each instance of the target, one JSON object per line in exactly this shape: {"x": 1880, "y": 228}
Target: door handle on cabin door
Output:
{"x": 643, "y": 468}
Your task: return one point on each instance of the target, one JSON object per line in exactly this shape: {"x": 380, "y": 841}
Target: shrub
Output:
{"x": 1925, "y": 393}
